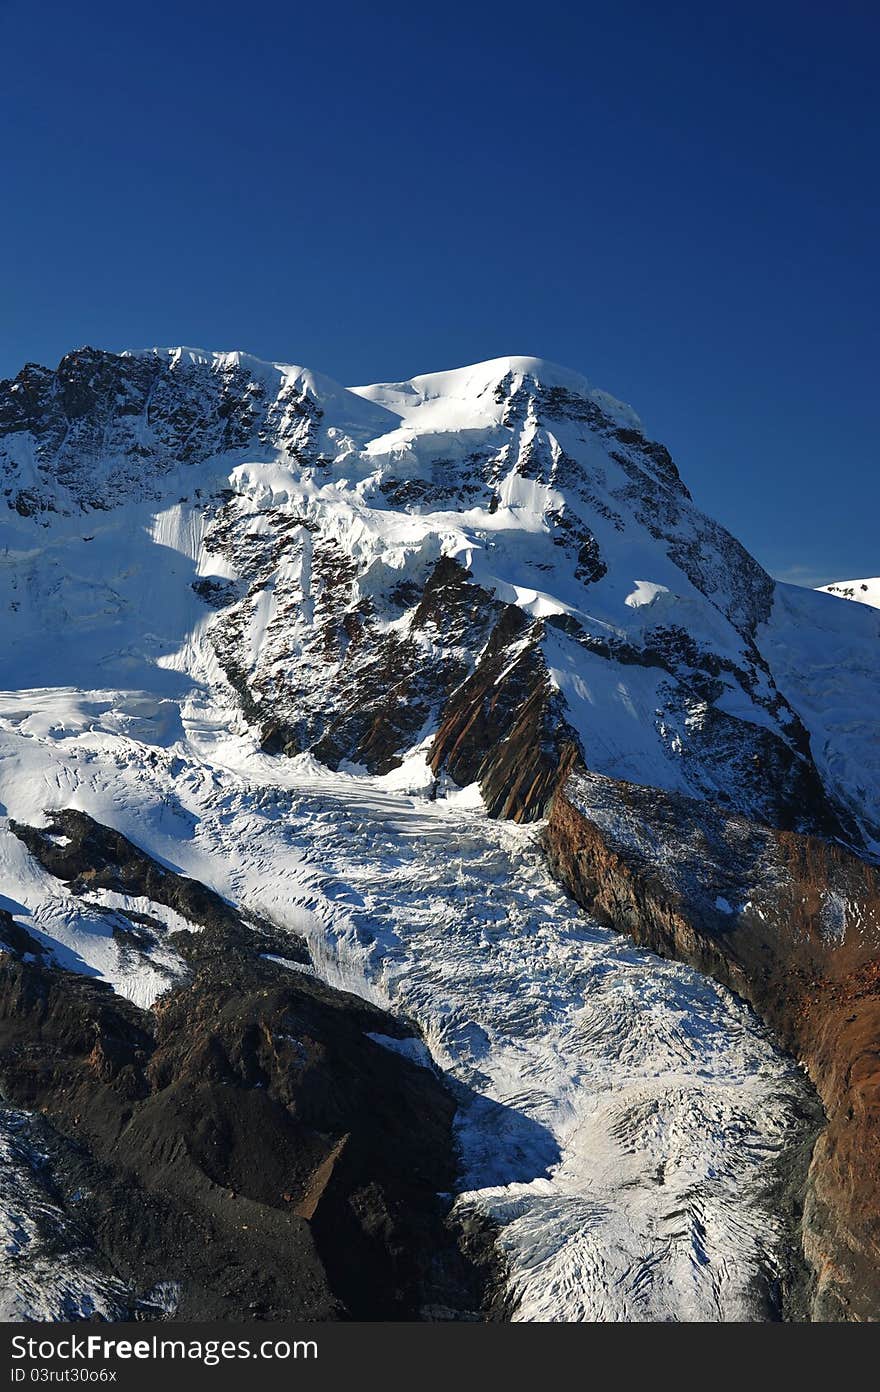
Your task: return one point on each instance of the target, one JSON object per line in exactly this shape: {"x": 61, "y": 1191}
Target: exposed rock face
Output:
{"x": 792, "y": 924}
{"x": 505, "y": 726}
{"x": 247, "y": 1139}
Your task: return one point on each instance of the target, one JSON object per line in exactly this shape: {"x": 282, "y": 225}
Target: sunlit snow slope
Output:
{"x": 863, "y": 591}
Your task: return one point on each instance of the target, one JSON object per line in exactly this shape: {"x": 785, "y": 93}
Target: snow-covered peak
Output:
{"x": 862, "y": 591}
{"x": 338, "y": 401}
{"x": 207, "y": 357}
{"x": 475, "y": 395}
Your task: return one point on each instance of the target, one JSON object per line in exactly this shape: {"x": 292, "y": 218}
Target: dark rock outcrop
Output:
{"x": 247, "y": 1138}
{"x": 88, "y": 856}
{"x": 505, "y": 727}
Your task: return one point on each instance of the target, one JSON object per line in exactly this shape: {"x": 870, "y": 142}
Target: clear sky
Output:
{"x": 679, "y": 200}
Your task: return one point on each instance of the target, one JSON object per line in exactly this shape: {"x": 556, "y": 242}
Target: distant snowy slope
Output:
{"x": 864, "y": 591}
{"x": 824, "y": 659}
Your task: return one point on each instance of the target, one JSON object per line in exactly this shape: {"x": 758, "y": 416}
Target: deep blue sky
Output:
{"x": 679, "y": 200}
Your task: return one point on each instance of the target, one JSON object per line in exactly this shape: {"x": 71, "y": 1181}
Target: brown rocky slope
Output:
{"x": 792, "y": 924}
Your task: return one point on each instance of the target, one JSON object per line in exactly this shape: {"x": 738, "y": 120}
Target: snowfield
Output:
{"x": 862, "y": 591}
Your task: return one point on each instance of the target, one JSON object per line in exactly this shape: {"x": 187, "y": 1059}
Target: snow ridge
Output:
{"x": 862, "y": 591}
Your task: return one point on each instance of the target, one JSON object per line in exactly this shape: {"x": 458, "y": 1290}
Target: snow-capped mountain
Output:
{"x": 366, "y": 563}
{"x": 291, "y": 643}
{"x": 863, "y": 591}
